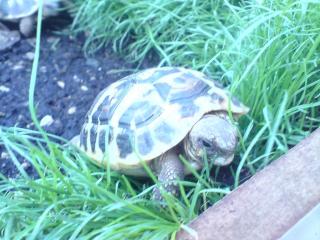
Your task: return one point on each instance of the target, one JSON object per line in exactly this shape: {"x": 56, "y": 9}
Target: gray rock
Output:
{"x": 8, "y": 39}
{"x": 92, "y": 62}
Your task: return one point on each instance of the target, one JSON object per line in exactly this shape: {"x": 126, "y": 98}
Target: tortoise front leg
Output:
{"x": 170, "y": 168}
{"x": 27, "y": 25}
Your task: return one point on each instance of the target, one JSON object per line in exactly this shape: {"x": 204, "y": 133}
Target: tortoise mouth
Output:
{"x": 193, "y": 154}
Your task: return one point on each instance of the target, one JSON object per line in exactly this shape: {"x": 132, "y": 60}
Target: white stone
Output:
{"x": 84, "y": 88}
{"x": 4, "y": 155}
{"x": 72, "y": 110}
{"x": 25, "y": 165}
{"x": 4, "y": 89}
{"x": 43, "y": 69}
{"x": 18, "y": 66}
{"x": 76, "y": 78}
{"x": 30, "y": 55}
{"x": 61, "y": 84}
{"x": 47, "y": 120}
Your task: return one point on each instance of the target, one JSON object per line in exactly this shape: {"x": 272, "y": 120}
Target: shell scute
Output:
{"x": 189, "y": 93}
{"x": 83, "y": 137}
{"x": 188, "y": 110}
{"x": 124, "y": 143}
{"x": 163, "y": 132}
{"x": 153, "y": 75}
{"x": 104, "y": 137}
{"x": 145, "y": 143}
{"x": 148, "y": 115}
{"x": 93, "y": 139}
{"x": 163, "y": 89}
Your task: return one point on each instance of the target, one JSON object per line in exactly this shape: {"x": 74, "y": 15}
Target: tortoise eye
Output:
{"x": 206, "y": 143}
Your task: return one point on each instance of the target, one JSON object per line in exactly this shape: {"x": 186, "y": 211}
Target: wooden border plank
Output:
{"x": 270, "y": 202}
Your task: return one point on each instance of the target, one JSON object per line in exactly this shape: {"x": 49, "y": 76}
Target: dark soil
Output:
{"x": 66, "y": 86}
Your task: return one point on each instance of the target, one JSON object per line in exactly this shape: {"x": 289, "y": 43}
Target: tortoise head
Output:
{"x": 212, "y": 138}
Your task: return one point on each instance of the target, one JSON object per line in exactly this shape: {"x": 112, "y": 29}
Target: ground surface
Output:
{"x": 67, "y": 84}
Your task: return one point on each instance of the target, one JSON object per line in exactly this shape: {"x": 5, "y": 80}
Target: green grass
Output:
{"x": 267, "y": 54}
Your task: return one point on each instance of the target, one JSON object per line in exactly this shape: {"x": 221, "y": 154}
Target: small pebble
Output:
{"x": 84, "y": 88}
{"x": 47, "y": 120}
{"x": 25, "y": 165}
{"x": 30, "y": 55}
{"x": 56, "y": 127}
{"x": 4, "y": 89}
{"x": 52, "y": 39}
{"x": 92, "y": 62}
{"x": 4, "y": 155}
{"x": 20, "y": 117}
{"x": 61, "y": 84}
{"x": 76, "y": 78}
{"x": 30, "y": 125}
{"x": 72, "y": 110}
{"x": 43, "y": 69}
{"x": 18, "y": 66}
{"x": 31, "y": 41}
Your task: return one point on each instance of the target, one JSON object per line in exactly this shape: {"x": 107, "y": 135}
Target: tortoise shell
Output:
{"x": 14, "y": 9}
{"x": 145, "y": 114}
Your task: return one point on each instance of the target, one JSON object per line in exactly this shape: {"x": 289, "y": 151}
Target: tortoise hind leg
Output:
{"x": 170, "y": 168}
{"x": 27, "y": 25}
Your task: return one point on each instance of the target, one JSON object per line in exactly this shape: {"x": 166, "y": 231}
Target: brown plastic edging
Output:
{"x": 268, "y": 204}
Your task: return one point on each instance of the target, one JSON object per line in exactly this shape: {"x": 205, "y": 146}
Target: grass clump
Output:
{"x": 175, "y": 30}
{"x": 266, "y": 52}
{"x": 72, "y": 198}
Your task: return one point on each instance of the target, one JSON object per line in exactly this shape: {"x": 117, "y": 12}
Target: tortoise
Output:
{"x": 23, "y": 11}
{"x": 154, "y": 115}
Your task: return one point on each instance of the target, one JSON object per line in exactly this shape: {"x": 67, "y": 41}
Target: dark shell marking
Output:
{"x": 83, "y": 139}
{"x": 235, "y": 101}
{"x": 163, "y": 132}
{"x": 217, "y": 97}
{"x": 188, "y": 110}
{"x": 188, "y": 93}
{"x": 124, "y": 142}
{"x": 141, "y": 113}
{"x": 105, "y": 136}
{"x": 163, "y": 89}
{"x": 145, "y": 143}
{"x": 156, "y": 75}
{"x": 148, "y": 113}
{"x": 108, "y": 105}
{"x": 93, "y": 137}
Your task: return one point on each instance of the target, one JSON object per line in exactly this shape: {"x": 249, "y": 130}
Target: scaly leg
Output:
{"x": 170, "y": 168}
{"x": 27, "y": 25}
